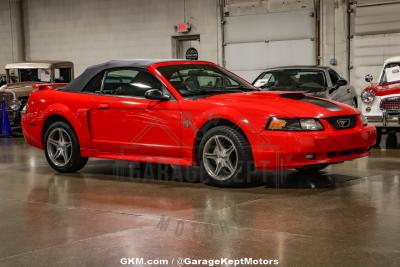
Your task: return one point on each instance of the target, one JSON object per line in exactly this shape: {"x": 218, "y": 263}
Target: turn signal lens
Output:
{"x": 294, "y": 124}
{"x": 277, "y": 124}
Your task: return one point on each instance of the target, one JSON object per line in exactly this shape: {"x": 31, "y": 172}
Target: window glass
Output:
{"x": 62, "y": 75}
{"x": 129, "y": 82}
{"x": 34, "y": 75}
{"x": 95, "y": 84}
{"x": 192, "y": 80}
{"x": 384, "y": 76}
{"x": 292, "y": 80}
{"x": 334, "y": 76}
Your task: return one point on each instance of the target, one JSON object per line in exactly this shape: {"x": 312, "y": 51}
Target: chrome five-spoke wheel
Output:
{"x": 220, "y": 157}
{"x": 62, "y": 148}
{"x": 59, "y": 147}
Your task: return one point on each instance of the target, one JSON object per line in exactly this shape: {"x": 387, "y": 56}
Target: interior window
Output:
{"x": 62, "y": 75}
{"x": 129, "y": 82}
{"x": 95, "y": 84}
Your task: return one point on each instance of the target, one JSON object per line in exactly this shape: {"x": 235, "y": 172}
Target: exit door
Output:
{"x": 181, "y": 45}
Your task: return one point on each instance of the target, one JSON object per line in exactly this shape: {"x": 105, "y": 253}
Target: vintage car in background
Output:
{"x": 312, "y": 80}
{"x": 20, "y": 78}
{"x": 381, "y": 101}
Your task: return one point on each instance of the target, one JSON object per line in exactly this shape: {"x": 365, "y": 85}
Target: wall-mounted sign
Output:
{"x": 192, "y": 54}
{"x": 183, "y": 27}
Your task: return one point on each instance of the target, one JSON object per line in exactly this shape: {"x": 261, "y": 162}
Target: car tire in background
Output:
{"x": 225, "y": 157}
{"x": 62, "y": 149}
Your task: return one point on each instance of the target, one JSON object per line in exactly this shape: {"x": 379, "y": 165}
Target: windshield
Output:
{"x": 292, "y": 80}
{"x": 391, "y": 73}
{"x": 194, "y": 80}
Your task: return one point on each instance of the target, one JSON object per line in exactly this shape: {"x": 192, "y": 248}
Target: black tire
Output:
{"x": 242, "y": 173}
{"x": 391, "y": 141}
{"x": 378, "y": 137}
{"x": 312, "y": 169}
{"x": 76, "y": 161}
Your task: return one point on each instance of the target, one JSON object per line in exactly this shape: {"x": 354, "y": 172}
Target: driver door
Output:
{"x": 123, "y": 121}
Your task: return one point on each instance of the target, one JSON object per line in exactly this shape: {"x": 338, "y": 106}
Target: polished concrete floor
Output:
{"x": 346, "y": 216}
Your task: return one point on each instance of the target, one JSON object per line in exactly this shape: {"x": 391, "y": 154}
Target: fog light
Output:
{"x": 310, "y": 156}
{"x": 368, "y": 109}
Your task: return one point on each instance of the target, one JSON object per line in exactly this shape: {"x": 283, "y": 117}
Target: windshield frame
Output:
{"x": 243, "y": 85}
{"x": 383, "y": 74}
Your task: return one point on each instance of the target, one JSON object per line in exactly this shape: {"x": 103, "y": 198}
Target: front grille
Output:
{"x": 348, "y": 152}
{"x": 7, "y": 97}
{"x": 391, "y": 104}
{"x": 343, "y": 123}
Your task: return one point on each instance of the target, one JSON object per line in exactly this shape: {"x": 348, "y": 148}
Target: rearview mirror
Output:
{"x": 156, "y": 94}
{"x": 369, "y": 78}
{"x": 341, "y": 82}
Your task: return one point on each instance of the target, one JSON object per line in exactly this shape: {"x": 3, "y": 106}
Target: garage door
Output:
{"x": 266, "y": 34}
{"x": 376, "y": 37}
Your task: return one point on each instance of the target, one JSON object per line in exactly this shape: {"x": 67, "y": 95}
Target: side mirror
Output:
{"x": 341, "y": 82}
{"x": 369, "y": 78}
{"x": 156, "y": 94}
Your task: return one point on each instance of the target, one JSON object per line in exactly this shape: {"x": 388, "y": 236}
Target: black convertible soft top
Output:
{"x": 80, "y": 82}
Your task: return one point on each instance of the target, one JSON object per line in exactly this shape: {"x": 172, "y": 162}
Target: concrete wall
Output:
{"x": 93, "y": 31}
{"x": 334, "y": 34}
{"x": 11, "y": 43}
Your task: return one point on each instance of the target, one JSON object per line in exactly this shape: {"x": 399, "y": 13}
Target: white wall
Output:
{"x": 10, "y": 33}
{"x": 334, "y": 35}
{"x": 93, "y": 31}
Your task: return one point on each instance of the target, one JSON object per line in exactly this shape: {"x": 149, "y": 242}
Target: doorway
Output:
{"x": 181, "y": 44}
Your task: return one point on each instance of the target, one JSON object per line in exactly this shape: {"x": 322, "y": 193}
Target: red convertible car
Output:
{"x": 189, "y": 113}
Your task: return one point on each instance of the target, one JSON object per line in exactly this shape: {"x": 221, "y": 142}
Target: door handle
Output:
{"x": 348, "y": 90}
{"x": 103, "y": 106}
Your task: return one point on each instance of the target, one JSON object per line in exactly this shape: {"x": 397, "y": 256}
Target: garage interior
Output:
{"x": 346, "y": 215}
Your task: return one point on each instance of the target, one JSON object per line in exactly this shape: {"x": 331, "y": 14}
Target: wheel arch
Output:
{"x": 215, "y": 122}
{"x": 52, "y": 119}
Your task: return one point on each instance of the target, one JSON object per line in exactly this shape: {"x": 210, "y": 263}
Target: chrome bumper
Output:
{"x": 386, "y": 120}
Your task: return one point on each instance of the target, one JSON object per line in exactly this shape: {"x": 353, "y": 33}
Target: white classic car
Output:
{"x": 381, "y": 101}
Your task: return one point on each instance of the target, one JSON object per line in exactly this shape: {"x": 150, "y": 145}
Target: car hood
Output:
{"x": 21, "y": 89}
{"x": 291, "y": 104}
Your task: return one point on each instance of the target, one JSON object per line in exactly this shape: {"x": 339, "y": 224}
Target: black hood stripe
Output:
{"x": 312, "y": 100}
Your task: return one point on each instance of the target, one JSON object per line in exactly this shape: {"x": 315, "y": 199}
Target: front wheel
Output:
{"x": 225, "y": 157}
{"x": 62, "y": 149}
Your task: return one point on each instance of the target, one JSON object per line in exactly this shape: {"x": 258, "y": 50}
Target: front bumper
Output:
{"x": 386, "y": 120}
{"x": 287, "y": 150}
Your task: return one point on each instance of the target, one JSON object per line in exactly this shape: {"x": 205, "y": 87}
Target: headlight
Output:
{"x": 15, "y": 105}
{"x": 367, "y": 96}
{"x": 364, "y": 120}
{"x": 280, "y": 124}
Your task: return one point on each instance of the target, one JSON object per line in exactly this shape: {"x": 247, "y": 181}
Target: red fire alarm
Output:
{"x": 183, "y": 27}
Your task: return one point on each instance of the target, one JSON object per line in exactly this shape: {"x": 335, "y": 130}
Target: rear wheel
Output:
{"x": 62, "y": 148}
{"x": 225, "y": 157}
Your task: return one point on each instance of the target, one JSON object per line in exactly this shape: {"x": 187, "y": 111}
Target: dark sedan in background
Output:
{"x": 313, "y": 80}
